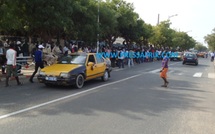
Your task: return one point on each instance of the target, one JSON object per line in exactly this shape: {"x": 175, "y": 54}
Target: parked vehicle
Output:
{"x": 176, "y": 56}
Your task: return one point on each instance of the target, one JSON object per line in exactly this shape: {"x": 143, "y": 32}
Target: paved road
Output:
{"x": 132, "y": 101}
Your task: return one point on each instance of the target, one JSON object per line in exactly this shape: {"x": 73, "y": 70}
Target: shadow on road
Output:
{"x": 134, "y": 98}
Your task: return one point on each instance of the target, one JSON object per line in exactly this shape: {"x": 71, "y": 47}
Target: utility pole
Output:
{"x": 158, "y": 19}
{"x": 97, "y": 48}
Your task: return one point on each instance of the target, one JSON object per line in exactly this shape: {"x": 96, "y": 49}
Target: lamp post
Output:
{"x": 188, "y": 31}
{"x": 158, "y": 20}
{"x": 97, "y": 48}
{"x": 172, "y": 16}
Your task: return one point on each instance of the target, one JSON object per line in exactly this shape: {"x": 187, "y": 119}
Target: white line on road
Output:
{"x": 155, "y": 71}
{"x": 199, "y": 74}
{"x": 158, "y": 70}
{"x": 65, "y": 97}
{"x": 119, "y": 69}
{"x": 171, "y": 71}
{"x": 211, "y": 75}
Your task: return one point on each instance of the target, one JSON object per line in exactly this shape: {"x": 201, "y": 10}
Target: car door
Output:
{"x": 91, "y": 70}
{"x": 101, "y": 65}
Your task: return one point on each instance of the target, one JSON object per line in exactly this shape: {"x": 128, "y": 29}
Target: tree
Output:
{"x": 162, "y": 35}
{"x": 47, "y": 18}
{"x": 183, "y": 41}
{"x": 200, "y": 47}
{"x": 127, "y": 21}
{"x": 9, "y": 14}
{"x": 109, "y": 24}
{"x": 210, "y": 39}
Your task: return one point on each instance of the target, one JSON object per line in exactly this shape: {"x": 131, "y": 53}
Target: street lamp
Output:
{"x": 172, "y": 16}
{"x": 188, "y": 31}
{"x": 97, "y": 48}
{"x": 158, "y": 20}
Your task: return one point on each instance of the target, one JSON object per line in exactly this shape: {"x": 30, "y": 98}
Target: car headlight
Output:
{"x": 64, "y": 75}
{"x": 42, "y": 73}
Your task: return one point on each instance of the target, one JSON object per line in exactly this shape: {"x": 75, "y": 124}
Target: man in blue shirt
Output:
{"x": 38, "y": 58}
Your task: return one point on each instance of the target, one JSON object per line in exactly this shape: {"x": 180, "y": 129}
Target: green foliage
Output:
{"x": 200, "y": 47}
{"x": 183, "y": 41}
{"x": 210, "y": 39}
{"x": 78, "y": 20}
{"x": 164, "y": 36}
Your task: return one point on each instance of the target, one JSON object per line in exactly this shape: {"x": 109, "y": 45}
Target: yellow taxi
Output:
{"x": 75, "y": 69}
{"x": 176, "y": 56}
{"x": 201, "y": 54}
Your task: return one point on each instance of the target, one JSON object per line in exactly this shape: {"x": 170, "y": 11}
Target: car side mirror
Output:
{"x": 90, "y": 64}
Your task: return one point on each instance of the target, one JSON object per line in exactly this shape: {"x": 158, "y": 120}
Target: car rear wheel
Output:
{"x": 105, "y": 76}
{"x": 79, "y": 81}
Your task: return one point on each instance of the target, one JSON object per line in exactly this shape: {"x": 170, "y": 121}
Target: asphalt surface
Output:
{"x": 131, "y": 102}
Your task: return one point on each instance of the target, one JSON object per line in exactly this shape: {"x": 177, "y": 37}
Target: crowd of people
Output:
{"x": 50, "y": 53}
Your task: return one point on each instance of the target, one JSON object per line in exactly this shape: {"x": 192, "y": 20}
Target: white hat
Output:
{"x": 18, "y": 42}
{"x": 40, "y": 46}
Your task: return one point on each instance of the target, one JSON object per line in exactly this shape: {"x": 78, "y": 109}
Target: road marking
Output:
{"x": 173, "y": 64}
{"x": 119, "y": 69}
{"x": 158, "y": 70}
{"x": 199, "y": 74}
{"x": 211, "y": 75}
{"x": 171, "y": 71}
{"x": 65, "y": 97}
{"x": 155, "y": 71}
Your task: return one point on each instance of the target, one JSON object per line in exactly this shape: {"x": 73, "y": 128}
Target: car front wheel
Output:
{"x": 79, "y": 82}
{"x": 105, "y": 76}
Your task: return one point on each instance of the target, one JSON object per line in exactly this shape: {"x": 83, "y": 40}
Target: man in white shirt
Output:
{"x": 11, "y": 65}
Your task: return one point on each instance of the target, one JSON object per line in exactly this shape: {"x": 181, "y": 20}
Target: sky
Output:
{"x": 196, "y": 17}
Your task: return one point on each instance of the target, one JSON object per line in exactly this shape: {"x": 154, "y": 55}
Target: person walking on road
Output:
{"x": 163, "y": 72}
{"x": 38, "y": 61}
{"x": 130, "y": 58}
{"x": 121, "y": 58}
{"x": 212, "y": 56}
{"x": 11, "y": 65}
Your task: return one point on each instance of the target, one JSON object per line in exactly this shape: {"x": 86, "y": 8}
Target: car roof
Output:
{"x": 190, "y": 54}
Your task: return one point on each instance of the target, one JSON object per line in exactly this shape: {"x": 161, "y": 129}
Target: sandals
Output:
{"x": 166, "y": 84}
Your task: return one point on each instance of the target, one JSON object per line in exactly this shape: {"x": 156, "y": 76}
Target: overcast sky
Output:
{"x": 196, "y": 17}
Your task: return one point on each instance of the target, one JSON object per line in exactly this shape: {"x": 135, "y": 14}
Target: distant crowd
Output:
{"x": 52, "y": 51}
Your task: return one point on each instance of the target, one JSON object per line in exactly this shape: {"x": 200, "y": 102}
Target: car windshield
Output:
{"x": 74, "y": 59}
{"x": 190, "y": 55}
